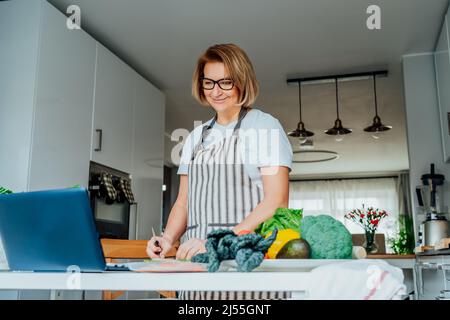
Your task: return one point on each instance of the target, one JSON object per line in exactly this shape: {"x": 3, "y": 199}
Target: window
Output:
{"x": 337, "y": 197}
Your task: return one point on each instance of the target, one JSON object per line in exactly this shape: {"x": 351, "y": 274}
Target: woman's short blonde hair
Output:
{"x": 240, "y": 70}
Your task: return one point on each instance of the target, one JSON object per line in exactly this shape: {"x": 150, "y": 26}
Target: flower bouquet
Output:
{"x": 368, "y": 219}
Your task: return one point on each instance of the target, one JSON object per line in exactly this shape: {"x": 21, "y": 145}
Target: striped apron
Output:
{"x": 220, "y": 195}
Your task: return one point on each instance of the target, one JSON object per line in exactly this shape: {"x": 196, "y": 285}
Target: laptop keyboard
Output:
{"x": 117, "y": 267}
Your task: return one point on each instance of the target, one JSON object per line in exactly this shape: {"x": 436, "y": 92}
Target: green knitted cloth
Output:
{"x": 224, "y": 244}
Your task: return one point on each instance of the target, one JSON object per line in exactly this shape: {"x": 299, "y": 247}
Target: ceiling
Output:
{"x": 286, "y": 38}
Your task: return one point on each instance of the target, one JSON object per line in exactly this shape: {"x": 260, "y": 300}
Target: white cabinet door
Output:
{"x": 148, "y": 156}
{"x": 19, "y": 34}
{"x": 113, "y": 111}
{"x": 442, "y": 68}
{"x": 63, "y": 104}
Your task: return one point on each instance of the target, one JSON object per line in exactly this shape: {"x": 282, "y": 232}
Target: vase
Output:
{"x": 369, "y": 242}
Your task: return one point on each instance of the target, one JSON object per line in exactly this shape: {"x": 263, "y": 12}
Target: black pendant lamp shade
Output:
{"x": 300, "y": 132}
{"x": 377, "y": 125}
{"x": 338, "y": 129}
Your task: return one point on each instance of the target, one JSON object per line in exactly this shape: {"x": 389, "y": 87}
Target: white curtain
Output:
{"x": 338, "y": 197}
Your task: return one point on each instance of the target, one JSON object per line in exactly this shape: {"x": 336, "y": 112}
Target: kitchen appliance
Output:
{"x": 434, "y": 230}
{"x": 112, "y": 202}
{"x": 429, "y": 197}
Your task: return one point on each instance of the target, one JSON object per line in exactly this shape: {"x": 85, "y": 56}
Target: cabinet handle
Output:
{"x": 100, "y": 138}
{"x": 448, "y": 122}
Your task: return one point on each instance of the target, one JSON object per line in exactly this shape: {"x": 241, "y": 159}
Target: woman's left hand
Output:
{"x": 190, "y": 248}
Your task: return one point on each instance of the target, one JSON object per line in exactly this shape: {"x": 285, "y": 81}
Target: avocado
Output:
{"x": 295, "y": 249}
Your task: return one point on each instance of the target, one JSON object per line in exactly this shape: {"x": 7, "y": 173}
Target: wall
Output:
{"x": 423, "y": 124}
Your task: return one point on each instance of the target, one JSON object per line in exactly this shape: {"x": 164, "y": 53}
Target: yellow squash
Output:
{"x": 283, "y": 237}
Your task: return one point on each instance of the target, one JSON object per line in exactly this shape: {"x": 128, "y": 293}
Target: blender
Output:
{"x": 429, "y": 196}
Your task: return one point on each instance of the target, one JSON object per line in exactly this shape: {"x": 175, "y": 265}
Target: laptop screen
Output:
{"x": 50, "y": 230}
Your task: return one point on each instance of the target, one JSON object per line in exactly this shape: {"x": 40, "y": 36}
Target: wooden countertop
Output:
{"x": 434, "y": 253}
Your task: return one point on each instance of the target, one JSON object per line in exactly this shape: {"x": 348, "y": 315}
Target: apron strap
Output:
{"x": 242, "y": 114}
{"x": 206, "y": 130}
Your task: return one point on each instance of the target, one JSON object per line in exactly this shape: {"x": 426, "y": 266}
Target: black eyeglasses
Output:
{"x": 224, "y": 84}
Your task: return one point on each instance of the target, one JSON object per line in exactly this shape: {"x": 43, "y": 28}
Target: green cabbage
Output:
{"x": 327, "y": 237}
{"x": 284, "y": 218}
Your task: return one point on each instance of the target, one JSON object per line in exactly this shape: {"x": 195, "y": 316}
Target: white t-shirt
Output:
{"x": 263, "y": 142}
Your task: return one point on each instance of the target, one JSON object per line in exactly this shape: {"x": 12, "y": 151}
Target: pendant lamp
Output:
{"x": 377, "y": 126}
{"x": 300, "y": 132}
{"x": 338, "y": 130}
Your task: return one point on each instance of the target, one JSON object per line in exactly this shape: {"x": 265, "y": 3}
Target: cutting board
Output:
{"x": 167, "y": 265}
{"x": 423, "y": 249}
{"x": 443, "y": 244}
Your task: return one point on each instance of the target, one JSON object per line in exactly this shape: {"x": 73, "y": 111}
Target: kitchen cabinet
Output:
{"x": 113, "y": 111}
{"x": 46, "y": 99}
{"x": 63, "y": 104}
{"x": 46, "y": 94}
{"x": 57, "y": 87}
{"x": 129, "y": 111}
{"x": 442, "y": 69}
{"x": 148, "y": 156}
{"x": 18, "y": 71}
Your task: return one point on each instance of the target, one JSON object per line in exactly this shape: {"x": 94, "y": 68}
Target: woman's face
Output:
{"x": 219, "y": 99}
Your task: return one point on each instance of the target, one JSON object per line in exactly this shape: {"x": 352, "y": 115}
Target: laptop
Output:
{"x": 51, "y": 231}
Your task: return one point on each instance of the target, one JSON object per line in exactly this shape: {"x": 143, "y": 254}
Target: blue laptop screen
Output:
{"x": 50, "y": 231}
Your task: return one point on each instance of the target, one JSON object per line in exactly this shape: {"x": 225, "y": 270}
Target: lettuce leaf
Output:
{"x": 284, "y": 218}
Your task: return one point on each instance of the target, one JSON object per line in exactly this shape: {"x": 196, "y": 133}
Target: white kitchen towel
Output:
{"x": 362, "y": 279}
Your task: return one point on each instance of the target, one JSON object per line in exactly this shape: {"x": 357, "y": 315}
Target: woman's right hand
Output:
{"x": 160, "y": 250}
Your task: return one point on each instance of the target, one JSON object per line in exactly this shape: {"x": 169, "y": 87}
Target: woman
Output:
{"x": 234, "y": 168}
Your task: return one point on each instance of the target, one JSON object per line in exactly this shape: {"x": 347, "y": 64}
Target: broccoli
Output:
{"x": 327, "y": 237}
